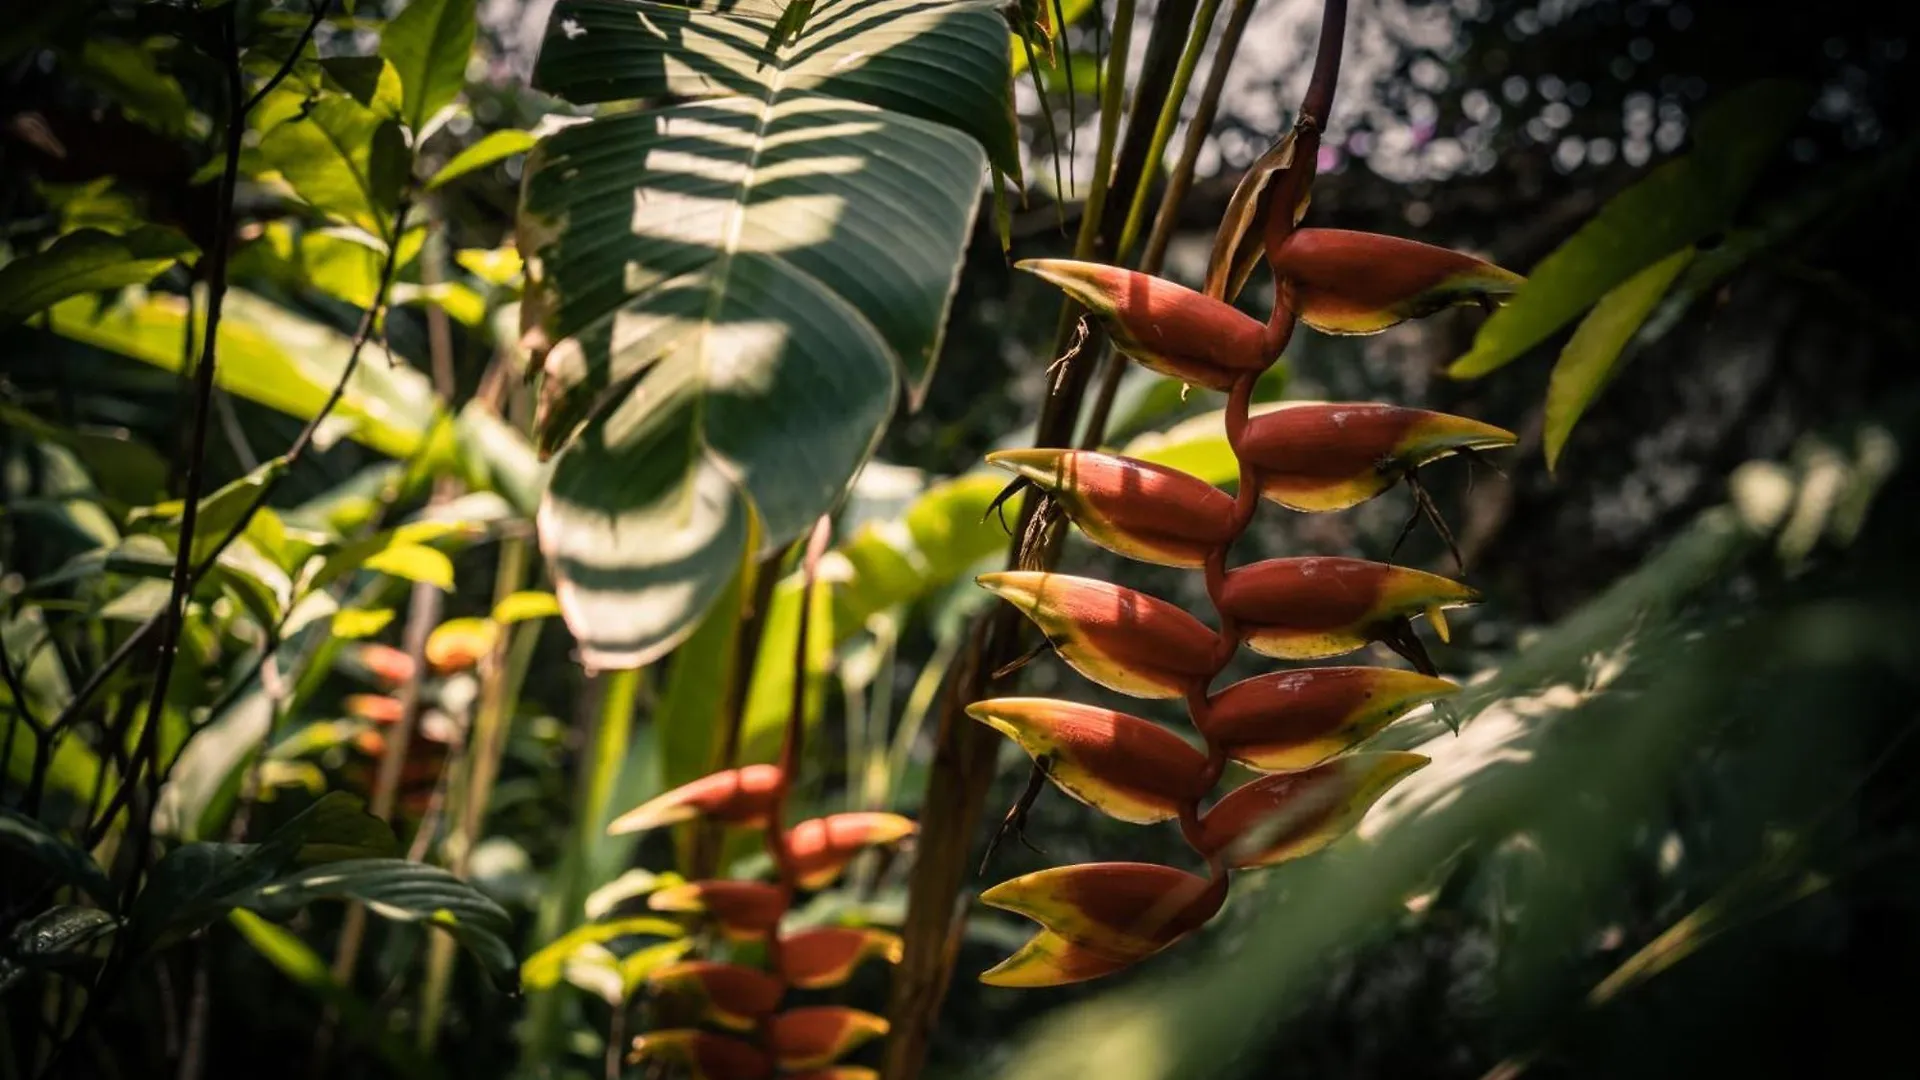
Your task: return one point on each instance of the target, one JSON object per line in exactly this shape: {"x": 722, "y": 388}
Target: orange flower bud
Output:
{"x": 1293, "y": 719}
{"x": 822, "y": 847}
{"x": 818, "y": 1035}
{"x": 702, "y": 1054}
{"x": 1122, "y": 639}
{"x": 744, "y": 910}
{"x": 386, "y": 664}
{"x": 1133, "y": 508}
{"x": 1119, "y": 764}
{"x": 1332, "y": 455}
{"x": 1342, "y": 282}
{"x": 1287, "y": 815}
{"x": 1166, "y": 327}
{"x": 378, "y": 708}
{"x": 826, "y": 956}
{"x": 1097, "y": 918}
{"x": 734, "y": 996}
{"x": 732, "y": 797}
{"x": 1317, "y": 606}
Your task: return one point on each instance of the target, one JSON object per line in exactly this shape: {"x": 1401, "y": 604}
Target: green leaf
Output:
{"x": 129, "y": 72}
{"x": 68, "y": 864}
{"x": 195, "y": 883}
{"x": 271, "y": 356}
{"x": 428, "y": 44}
{"x": 86, "y": 261}
{"x": 414, "y": 562}
{"x": 55, "y": 935}
{"x": 356, "y": 623}
{"x": 369, "y": 80}
{"x": 344, "y": 159}
{"x": 769, "y": 702}
{"x": 524, "y": 605}
{"x": 495, "y": 266}
{"x": 695, "y": 709}
{"x": 1595, "y": 351}
{"x": 720, "y": 281}
{"x": 494, "y": 148}
{"x": 218, "y": 512}
{"x": 639, "y": 965}
{"x": 545, "y": 968}
{"x": 398, "y": 890}
{"x": 1678, "y": 204}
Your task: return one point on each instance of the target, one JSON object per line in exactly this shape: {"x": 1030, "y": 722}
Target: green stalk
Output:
{"x": 613, "y": 733}
{"x": 1163, "y": 130}
{"x": 502, "y": 676}
{"x": 1113, "y": 95}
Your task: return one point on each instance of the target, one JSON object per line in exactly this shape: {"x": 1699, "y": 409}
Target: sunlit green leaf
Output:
{"x": 356, "y": 623}
{"x": 369, "y": 80}
{"x": 1679, "y": 203}
{"x": 414, "y": 562}
{"x": 1595, "y": 351}
{"x": 83, "y": 262}
{"x": 496, "y": 266}
{"x": 495, "y": 148}
{"x": 218, "y": 512}
{"x": 344, "y": 159}
{"x": 526, "y": 604}
{"x": 546, "y": 967}
{"x": 428, "y": 44}
{"x": 269, "y": 355}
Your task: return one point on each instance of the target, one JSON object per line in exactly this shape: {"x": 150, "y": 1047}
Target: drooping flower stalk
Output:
{"x": 759, "y": 1036}
{"x": 1300, "y": 726}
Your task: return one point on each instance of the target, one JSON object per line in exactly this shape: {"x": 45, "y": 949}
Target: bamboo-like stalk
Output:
{"x": 1169, "y": 118}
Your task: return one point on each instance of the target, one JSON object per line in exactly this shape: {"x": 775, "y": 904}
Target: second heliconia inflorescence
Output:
{"x": 1299, "y": 727}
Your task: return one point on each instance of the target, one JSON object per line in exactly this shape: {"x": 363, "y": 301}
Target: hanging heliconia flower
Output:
{"x": 827, "y": 956}
{"x": 1302, "y": 727}
{"x": 1317, "y": 606}
{"x": 733, "y": 797}
{"x": 1168, "y": 328}
{"x": 730, "y": 995}
{"x": 1130, "y": 769}
{"x": 1133, "y": 508}
{"x": 1341, "y": 282}
{"x": 821, "y": 848}
{"x": 766, "y": 1037}
{"x": 1123, "y": 640}
{"x": 1296, "y": 719}
{"x": 1320, "y": 456}
{"x": 1097, "y": 918}
{"x": 1287, "y": 815}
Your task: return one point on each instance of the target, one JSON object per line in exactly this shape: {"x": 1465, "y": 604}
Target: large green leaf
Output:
{"x": 398, "y": 890}
{"x": 727, "y": 291}
{"x": 428, "y": 44}
{"x": 88, "y": 260}
{"x": 1677, "y": 204}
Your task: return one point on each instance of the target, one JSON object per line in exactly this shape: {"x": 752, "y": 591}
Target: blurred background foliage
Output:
{"x": 1674, "y": 834}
